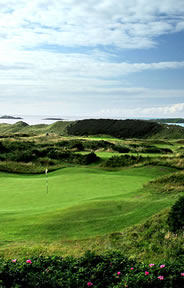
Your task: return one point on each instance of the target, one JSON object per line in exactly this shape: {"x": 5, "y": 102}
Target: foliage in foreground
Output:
{"x": 108, "y": 270}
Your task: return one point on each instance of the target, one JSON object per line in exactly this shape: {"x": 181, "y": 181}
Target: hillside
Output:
{"x": 116, "y": 128}
{"x": 124, "y": 129}
{"x": 24, "y": 128}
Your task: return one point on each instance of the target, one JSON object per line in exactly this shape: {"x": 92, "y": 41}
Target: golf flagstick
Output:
{"x": 47, "y": 186}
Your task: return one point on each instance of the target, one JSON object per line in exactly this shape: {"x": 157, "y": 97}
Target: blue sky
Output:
{"x": 99, "y": 58}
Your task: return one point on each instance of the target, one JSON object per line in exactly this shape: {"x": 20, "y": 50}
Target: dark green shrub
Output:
{"x": 124, "y": 160}
{"x": 121, "y": 149}
{"x": 62, "y": 143}
{"x": 17, "y": 145}
{"x": 21, "y": 156}
{"x": 2, "y": 147}
{"x": 95, "y": 145}
{"x": 59, "y": 155}
{"x": 111, "y": 270}
{"x": 166, "y": 150}
{"x": 176, "y": 216}
{"x": 151, "y": 149}
{"x": 90, "y": 158}
{"x": 78, "y": 146}
{"x": 3, "y": 157}
{"x": 84, "y": 159}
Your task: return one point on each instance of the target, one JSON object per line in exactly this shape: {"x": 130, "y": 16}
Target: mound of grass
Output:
{"x": 168, "y": 183}
{"x": 151, "y": 240}
{"x": 176, "y": 161}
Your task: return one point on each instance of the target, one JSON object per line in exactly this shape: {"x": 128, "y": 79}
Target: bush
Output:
{"x": 176, "y": 216}
{"x": 78, "y": 146}
{"x": 121, "y": 149}
{"x": 124, "y": 160}
{"x": 59, "y": 155}
{"x": 111, "y": 270}
{"x": 84, "y": 159}
{"x": 22, "y": 156}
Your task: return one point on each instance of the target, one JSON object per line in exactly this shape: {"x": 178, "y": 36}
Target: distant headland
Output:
{"x": 9, "y": 117}
{"x": 53, "y": 118}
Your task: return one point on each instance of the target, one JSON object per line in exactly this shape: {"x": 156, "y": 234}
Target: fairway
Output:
{"x": 81, "y": 202}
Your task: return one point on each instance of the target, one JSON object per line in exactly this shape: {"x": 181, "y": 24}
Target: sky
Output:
{"x": 92, "y": 58}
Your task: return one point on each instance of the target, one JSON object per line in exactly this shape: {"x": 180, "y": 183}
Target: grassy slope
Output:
{"x": 102, "y": 202}
{"x": 20, "y": 127}
{"x": 170, "y": 132}
{"x": 149, "y": 242}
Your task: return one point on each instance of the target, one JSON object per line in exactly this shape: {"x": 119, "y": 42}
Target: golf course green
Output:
{"x": 80, "y": 202}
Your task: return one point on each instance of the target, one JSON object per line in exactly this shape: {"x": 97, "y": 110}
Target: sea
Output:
{"x": 41, "y": 119}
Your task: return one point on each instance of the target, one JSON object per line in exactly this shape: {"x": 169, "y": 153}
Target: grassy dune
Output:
{"x": 80, "y": 203}
{"x": 93, "y": 127}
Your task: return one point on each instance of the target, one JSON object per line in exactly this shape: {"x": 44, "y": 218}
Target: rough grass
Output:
{"x": 149, "y": 242}
{"x": 173, "y": 183}
{"x": 26, "y": 168}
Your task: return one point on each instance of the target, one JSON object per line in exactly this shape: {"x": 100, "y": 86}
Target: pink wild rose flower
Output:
{"x": 160, "y": 277}
{"x": 29, "y": 261}
{"x": 182, "y": 274}
{"x": 151, "y": 265}
{"x": 118, "y": 273}
{"x": 14, "y": 260}
{"x": 132, "y": 268}
{"x": 146, "y": 273}
{"x": 162, "y": 266}
{"x": 89, "y": 284}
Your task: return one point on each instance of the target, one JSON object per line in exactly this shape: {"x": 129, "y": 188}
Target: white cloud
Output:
{"x": 42, "y": 65}
{"x": 125, "y": 24}
{"x": 158, "y": 112}
{"x": 33, "y": 32}
{"x": 165, "y": 110}
{"x": 42, "y": 75}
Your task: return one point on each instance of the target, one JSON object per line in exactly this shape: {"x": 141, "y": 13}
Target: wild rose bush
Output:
{"x": 111, "y": 270}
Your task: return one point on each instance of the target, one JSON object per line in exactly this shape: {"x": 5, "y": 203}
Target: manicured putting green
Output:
{"x": 81, "y": 202}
